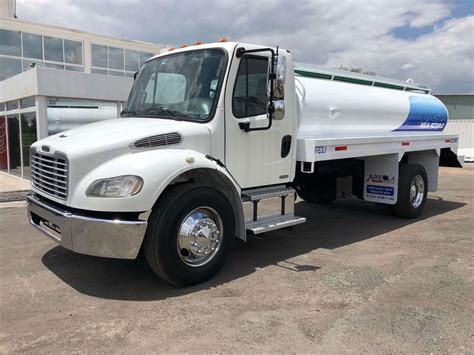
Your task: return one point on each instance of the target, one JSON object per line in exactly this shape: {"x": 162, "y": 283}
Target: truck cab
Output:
{"x": 207, "y": 143}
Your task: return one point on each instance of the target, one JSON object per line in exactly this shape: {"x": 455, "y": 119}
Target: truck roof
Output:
{"x": 315, "y": 71}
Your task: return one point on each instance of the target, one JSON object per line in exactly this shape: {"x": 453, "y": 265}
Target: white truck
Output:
{"x": 212, "y": 136}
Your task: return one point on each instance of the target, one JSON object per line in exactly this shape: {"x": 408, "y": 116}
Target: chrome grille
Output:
{"x": 158, "y": 140}
{"x": 49, "y": 173}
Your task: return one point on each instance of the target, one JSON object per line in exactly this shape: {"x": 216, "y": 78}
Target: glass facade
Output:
{"x": 28, "y": 137}
{"x": 17, "y": 132}
{"x": 21, "y": 51}
{"x": 14, "y": 148}
{"x": 116, "y": 61}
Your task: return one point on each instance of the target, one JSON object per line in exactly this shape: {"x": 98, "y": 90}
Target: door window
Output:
{"x": 250, "y": 91}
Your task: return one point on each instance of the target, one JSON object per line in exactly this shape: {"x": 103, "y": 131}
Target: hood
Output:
{"x": 111, "y": 137}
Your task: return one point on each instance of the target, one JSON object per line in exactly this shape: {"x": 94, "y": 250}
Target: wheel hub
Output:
{"x": 199, "y": 236}
{"x": 417, "y": 191}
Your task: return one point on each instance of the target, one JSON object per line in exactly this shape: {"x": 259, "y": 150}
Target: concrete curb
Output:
{"x": 11, "y": 196}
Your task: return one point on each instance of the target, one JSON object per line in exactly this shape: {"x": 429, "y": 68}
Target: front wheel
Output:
{"x": 412, "y": 191}
{"x": 189, "y": 234}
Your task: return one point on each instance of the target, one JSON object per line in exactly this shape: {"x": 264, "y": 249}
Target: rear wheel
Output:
{"x": 189, "y": 234}
{"x": 412, "y": 191}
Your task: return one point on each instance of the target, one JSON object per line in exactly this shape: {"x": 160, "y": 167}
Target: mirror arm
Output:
{"x": 271, "y": 109}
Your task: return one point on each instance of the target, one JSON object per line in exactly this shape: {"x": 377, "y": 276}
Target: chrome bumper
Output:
{"x": 86, "y": 235}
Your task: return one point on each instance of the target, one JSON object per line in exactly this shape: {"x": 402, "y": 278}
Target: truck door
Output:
{"x": 264, "y": 157}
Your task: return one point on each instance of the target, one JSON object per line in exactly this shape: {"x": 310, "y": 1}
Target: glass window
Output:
{"x": 28, "y": 137}
{"x": 2, "y": 106}
{"x": 30, "y": 64}
{"x": 144, "y": 57}
{"x": 74, "y": 68}
{"x": 72, "y": 52}
{"x": 132, "y": 61}
{"x": 99, "y": 56}
{"x": 53, "y": 49}
{"x": 9, "y": 67}
{"x": 12, "y": 105}
{"x": 53, "y": 66}
{"x": 10, "y": 43}
{"x": 32, "y": 46}
{"x": 115, "y": 58}
{"x": 250, "y": 91}
{"x": 116, "y": 72}
{"x": 14, "y": 145}
{"x": 99, "y": 71}
{"x": 178, "y": 85}
{"x": 27, "y": 102}
{"x": 3, "y": 144}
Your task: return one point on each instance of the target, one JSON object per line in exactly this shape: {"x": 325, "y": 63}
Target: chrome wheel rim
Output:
{"x": 417, "y": 191}
{"x": 200, "y": 236}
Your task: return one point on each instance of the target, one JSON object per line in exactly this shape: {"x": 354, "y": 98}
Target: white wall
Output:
{"x": 465, "y": 130}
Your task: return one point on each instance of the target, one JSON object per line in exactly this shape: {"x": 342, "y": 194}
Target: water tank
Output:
{"x": 335, "y": 103}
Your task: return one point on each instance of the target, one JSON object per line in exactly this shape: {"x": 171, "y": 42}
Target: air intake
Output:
{"x": 158, "y": 140}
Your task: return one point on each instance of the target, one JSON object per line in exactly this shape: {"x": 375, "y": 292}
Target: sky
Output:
{"x": 428, "y": 41}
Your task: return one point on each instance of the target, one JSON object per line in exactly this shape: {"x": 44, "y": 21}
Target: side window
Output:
{"x": 250, "y": 90}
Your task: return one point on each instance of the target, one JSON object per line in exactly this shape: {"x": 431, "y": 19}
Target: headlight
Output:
{"x": 119, "y": 186}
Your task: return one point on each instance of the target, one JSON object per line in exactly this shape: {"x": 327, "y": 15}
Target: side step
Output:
{"x": 272, "y": 223}
{"x": 267, "y": 192}
{"x": 269, "y": 208}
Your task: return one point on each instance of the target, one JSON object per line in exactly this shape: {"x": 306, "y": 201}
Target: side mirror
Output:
{"x": 280, "y": 79}
{"x": 279, "y": 109}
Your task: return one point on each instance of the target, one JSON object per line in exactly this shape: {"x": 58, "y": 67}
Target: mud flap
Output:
{"x": 381, "y": 178}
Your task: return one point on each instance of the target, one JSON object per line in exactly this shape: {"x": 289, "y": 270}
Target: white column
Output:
{"x": 41, "y": 117}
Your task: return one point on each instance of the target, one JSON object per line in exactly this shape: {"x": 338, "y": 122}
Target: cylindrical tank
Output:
{"x": 336, "y": 108}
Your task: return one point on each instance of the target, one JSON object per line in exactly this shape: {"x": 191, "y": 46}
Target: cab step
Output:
{"x": 271, "y": 223}
{"x": 262, "y": 193}
{"x": 269, "y": 208}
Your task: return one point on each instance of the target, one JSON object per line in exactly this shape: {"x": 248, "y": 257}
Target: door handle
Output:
{"x": 285, "y": 146}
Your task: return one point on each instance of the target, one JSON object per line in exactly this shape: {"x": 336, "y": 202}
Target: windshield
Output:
{"x": 179, "y": 86}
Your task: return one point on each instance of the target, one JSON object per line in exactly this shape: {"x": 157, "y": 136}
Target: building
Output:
{"x": 54, "y": 78}
{"x": 461, "y": 121}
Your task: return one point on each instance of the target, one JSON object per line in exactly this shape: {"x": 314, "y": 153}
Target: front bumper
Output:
{"x": 80, "y": 233}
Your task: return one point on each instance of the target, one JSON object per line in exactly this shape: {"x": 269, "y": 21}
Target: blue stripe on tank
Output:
{"x": 426, "y": 113}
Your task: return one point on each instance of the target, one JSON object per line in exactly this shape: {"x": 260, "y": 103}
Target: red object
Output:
{"x": 341, "y": 147}
{"x": 405, "y": 143}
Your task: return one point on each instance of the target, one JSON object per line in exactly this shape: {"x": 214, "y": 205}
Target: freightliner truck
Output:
{"x": 215, "y": 142}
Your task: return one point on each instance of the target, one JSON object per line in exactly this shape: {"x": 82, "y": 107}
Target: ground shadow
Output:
{"x": 329, "y": 227}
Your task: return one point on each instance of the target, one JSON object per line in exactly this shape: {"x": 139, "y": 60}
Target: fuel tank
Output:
{"x": 336, "y": 103}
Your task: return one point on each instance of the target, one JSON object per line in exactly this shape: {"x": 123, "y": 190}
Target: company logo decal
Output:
{"x": 381, "y": 179}
{"x": 320, "y": 149}
{"x": 426, "y": 113}
{"x": 380, "y": 190}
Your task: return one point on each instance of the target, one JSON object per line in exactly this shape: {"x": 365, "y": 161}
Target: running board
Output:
{"x": 272, "y": 223}
{"x": 263, "y": 193}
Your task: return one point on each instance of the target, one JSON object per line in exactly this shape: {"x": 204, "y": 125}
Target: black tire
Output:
{"x": 405, "y": 207}
{"x": 160, "y": 244}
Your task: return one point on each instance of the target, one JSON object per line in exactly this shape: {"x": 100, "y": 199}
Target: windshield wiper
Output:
{"x": 128, "y": 113}
{"x": 176, "y": 114}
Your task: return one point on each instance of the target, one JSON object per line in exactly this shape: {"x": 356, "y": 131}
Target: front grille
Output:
{"x": 49, "y": 173}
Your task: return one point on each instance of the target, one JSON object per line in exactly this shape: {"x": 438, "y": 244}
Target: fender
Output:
{"x": 158, "y": 168}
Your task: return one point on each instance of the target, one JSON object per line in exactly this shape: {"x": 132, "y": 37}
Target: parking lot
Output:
{"x": 349, "y": 280}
